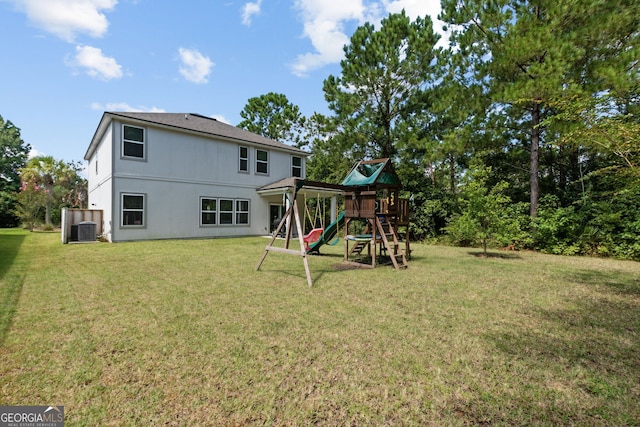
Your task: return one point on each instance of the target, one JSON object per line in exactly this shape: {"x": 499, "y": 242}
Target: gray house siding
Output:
{"x": 151, "y": 180}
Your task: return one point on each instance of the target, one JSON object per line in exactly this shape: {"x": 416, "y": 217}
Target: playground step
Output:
{"x": 357, "y": 249}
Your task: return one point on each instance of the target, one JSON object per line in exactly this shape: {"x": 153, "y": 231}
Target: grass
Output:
{"x": 187, "y": 333}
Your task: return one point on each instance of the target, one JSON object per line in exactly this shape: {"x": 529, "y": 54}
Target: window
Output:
{"x": 226, "y": 212}
{"x": 209, "y": 209}
{"x": 242, "y": 212}
{"x": 296, "y": 166}
{"x": 219, "y": 211}
{"x": 133, "y": 142}
{"x": 262, "y": 161}
{"x": 243, "y": 165}
{"x": 132, "y": 206}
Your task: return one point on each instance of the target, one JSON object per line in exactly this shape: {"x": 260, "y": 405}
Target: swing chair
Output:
{"x": 318, "y": 228}
{"x": 290, "y": 188}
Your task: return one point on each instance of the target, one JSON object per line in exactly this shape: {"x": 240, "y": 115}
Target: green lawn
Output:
{"x": 187, "y": 333}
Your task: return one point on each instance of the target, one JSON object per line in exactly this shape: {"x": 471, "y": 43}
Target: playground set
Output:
{"x": 371, "y": 205}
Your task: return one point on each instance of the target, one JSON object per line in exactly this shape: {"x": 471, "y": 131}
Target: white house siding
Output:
{"x": 100, "y": 181}
{"x": 183, "y": 157}
{"x": 179, "y": 168}
{"x": 172, "y": 210}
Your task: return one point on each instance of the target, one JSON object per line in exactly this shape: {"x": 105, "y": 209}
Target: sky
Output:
{"x": 66, "y": 62}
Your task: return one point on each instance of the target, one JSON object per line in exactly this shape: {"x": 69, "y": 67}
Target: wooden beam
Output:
{"x": 283, "y": 250}
{"x": 292, "y": 213}
{"x": 301, "y": 238}
{"x": 274, "y": 237}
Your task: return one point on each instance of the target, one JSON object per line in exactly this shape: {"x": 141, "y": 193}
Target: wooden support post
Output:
{"x": 274, "y": 237}
{"x": 303, "y": 251}
{"x": 373, "y": 242}
{"x": 292, "y": 213}
{"x": 346, "y": 241}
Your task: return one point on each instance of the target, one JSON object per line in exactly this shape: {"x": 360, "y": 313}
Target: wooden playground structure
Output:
{"x": 376, "y": 201}
{"x": 371, "y": 194}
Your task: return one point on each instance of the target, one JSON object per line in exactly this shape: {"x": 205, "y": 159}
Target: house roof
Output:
{"x": 372, "y": 173}
{"x": 302, "y": 186}
{"x": 191, "y": 123}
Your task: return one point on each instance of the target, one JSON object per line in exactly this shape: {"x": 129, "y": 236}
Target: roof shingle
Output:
{"x": 197, "y": 123}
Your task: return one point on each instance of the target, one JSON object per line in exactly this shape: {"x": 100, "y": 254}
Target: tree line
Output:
{"x": 521, "y": 132}
{"x": 34, "y": 190}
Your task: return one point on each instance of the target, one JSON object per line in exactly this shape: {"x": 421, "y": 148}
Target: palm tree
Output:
{"x": 47, "y": 172}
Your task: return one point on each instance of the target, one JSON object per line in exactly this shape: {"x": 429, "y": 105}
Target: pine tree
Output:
{"x": 383, "y": 75}
{"x": 528, "y": 54}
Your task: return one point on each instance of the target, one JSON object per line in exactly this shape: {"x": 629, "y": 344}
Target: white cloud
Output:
{"x": 324, "y": 25}
{"x": 249, "y": 10}
{"x": 195, "y": 66}
{"x": 413, "y": 8}
{"x": 35, "y": 153}
{"x": 221, "y": 118}
{"x": 67, "y": 18}
{"x": 96, "y": 63}
{"x": 125, "y": 107}
{"x": 420, "y": 8}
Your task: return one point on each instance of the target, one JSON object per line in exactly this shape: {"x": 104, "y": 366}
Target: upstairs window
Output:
{"x": 296, "y": 166}
{"x": 243, "y": 159}
{"x": 262, "y": 162}
{"x": 133, "y": 143}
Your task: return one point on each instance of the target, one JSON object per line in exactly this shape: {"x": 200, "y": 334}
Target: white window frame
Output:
{"x": 214, "y": 212}
{"x": 223, "y": 213}
{"x": 239, "y": 211}
{"x": 143, "y": 223}
{"x": 296, "y": 167}
{"x": 261, "y": 162}
{"x": 125, "y": 141}
{"x": 233, "y": 213}
{"x": 241, "y": 158}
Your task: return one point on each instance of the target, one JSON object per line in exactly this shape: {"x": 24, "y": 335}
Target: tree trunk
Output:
{"x": 452, "y": 173}
{"x": 49, "y": 204}
{"x": 535, "y": 145}
{"x": 562, "y": 174}
{"x": 388, "y": 149}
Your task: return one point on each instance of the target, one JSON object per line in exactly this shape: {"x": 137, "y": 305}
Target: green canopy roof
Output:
{"x": 372, "y": 172}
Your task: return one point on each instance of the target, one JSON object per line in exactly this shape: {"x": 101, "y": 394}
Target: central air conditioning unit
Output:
{"x": 87, "y": 231}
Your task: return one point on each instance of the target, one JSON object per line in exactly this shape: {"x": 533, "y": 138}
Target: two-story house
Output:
{"x": 167, "y": 175}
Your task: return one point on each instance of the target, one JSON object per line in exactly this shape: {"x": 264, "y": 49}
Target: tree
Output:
{"x": 529, "y": 53}
{"x": 486, "y": 212}
{"x": 273, "y": 116}
{"x": 13, "y": 156}
{"x": 326, "y": 163}
{"x": 75, "y": 193}
{"x": 60, "y": 180}
{"x": 29, "y": 203}
{"x": 600, "y": 123}
{"x": 383, "y": 79}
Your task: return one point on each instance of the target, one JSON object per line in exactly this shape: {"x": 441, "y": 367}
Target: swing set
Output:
{"x": 362, "y": 187}
{"x": 317, "y": 225}
{"x": 292, "y": 219}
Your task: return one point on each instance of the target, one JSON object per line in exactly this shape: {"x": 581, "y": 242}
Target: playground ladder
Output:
{"x": 357, "y": 249}
{"x": 387, "y": 232}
